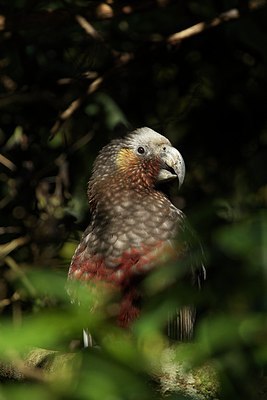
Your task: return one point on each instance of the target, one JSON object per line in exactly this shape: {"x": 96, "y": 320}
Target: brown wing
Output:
{"x": 181, "y": 325}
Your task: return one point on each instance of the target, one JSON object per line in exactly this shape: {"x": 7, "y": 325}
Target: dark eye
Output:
{"x": 141, "y": 150}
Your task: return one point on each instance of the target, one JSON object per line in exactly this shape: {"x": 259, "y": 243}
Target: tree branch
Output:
{"x": 43, "y": 365}
{"x": 200, "y": 27}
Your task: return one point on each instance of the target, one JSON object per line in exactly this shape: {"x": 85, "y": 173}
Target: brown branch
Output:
{"x": 172, "y": 373}
{"x": 75, "y": 105}
{"x": 21, "y": 274}
{"x": 23, "y": 369}
{"x": 255, "y": 4}
{"x": 7, "y": 163}
{"x": 7, "y": 248}
{"x": 59, "y": 17}
{"x": 38, "y": 365}
{"x": 122, "y": 59}
{"x": 9, "y": 229}
{"x": 200, "y": 27}
{"x": 93, "y": 86}
{"x": 55, "y": 18}
{"x": 89, "y": 29}
{"x": 173, "y": 376}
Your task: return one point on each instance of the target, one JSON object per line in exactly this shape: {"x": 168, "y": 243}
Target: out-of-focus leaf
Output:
{"x": 246, "y": 240}
{"x": 67, "y": 250}
{"x": 49, "y": 283}
{"x": 111, "y": 379}
{"x": 30, "y": 391}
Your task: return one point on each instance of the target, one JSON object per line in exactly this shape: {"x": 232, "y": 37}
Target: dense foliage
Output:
{"x": 75, "y": 74}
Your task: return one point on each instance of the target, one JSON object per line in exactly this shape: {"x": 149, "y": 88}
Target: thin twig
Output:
{"x": 89, "y": 29}
{"x": 7, "y": 163}
{"x": 6, "y": 302}
{"x": 77, "y": 103}
{"x": 123, "y": 59}
{"x": 64, "y": 16}
{"x": 9, "y": 229}
{"x": 202, "y": 26}
{"x": 81, "y": 142}
{"x": 21, "y": 274}
{"x": 7, "y": 248}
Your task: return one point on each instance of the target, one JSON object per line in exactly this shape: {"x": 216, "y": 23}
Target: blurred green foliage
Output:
{"x": 73, "y": 75}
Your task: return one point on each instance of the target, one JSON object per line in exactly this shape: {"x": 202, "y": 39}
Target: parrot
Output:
{"x": 134, "y": 224}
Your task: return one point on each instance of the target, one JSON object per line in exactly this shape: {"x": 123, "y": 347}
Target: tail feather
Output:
{"x": 87, "y": 339}
{"x": 181, "y": 325}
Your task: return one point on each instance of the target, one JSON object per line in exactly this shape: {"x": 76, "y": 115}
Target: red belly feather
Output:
{"x": 131, "y": 268}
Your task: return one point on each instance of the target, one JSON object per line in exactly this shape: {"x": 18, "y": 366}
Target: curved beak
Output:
{"x": 173, "y": 165}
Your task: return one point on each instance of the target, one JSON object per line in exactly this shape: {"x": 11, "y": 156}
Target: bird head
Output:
{"x": 141, "y": 160}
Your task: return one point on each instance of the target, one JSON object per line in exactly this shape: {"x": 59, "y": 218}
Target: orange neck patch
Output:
{"x": 126, "y": 159}
{"x": 141, "y": 171}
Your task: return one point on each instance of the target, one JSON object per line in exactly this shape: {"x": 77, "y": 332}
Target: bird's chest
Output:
{"x": 126, "y": 239}
{"x": 131, "y": 229}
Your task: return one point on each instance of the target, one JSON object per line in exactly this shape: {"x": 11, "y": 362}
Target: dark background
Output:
{"x": 66, "y": 90}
